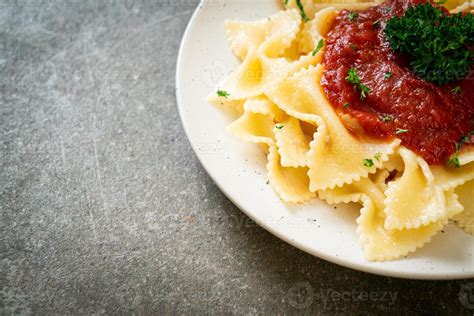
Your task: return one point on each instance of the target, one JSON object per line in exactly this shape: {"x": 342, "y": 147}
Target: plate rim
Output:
{"x": 314, "y": 252}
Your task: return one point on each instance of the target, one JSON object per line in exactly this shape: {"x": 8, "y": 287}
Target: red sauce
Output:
{"x": 435, "y": 117}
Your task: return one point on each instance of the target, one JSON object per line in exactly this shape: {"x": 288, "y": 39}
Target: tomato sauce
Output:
{"x": 429, "y": 119}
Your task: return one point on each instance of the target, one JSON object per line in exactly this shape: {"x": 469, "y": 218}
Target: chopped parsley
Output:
{"x": 368, "y": 162}
{"x": 376, "y": 23}
{"x": 285, "y": 2}
{"x": 353, "y": 77}
{"x": 456, "y": 90}
{"x": 388, "y": 9}
{"x": 401, "y": 131}
{"x": 279, "y": 126}
{"x": 303, "y": 14}
{"x": 386, "y": 118}
{"x": 388, "y": 75}
{"x": 222, "y": 93}
{"x": 438, "y": 44}
{"x": 347, "y": 105}
{"x": 318, "y": 47}
{"x": 454, "y": 159}
{"x": 354, "y": 46}
{"x": 378, "y": 156}
{"x": 352, "y": 16}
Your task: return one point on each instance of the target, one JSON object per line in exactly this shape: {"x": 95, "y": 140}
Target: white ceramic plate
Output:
{"x": 239, "y": 168}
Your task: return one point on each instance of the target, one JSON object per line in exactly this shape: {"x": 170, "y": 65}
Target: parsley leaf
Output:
{"x": 378, "y": 156}
{"x": 222, "y": 93}
{"x": 456, "y": 90}
{"x": 401, "y": 131}
{"x": 352, "y": 16}
{"x": 279, "y": 126}
{"x": 388, "y": 75}
{"x": 376, "y": 23}
{"x": 368, "y": 162}
{"x": 454, "y": 159}
{"x": 347, "y": 105}
{"x": 303, "y": 14}
{"x": 437, "y": 43}
{"x": 353, "y": 77}
{"x": 318, "y": 47}
{"x": 386, "y": 118}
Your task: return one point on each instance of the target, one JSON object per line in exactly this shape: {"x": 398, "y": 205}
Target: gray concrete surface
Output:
{"x": 104, "y": 207}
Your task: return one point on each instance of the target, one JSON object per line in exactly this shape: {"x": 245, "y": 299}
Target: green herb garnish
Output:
{"x": 386, "y": 118}
{"x": 354, "y": 46}
{"x": 352, "y": 16}
{"x": 441, "y": 2}
{"x": 387, "y": 75}
{"x": 318, "y": 47}
{"x": 454, "y": 159}
{"x": 222, "y": 93}
{"x": 347, "y": 105}
{"x": 401, "y": 131}
{"x": 279, "y": 126}
{"x": 376, "y": 23}
{"x": 439, "y": 44}
{"x": 456, "y": 90}
{"x": 368, "y": 162}
{"x": 303, "y": 14}
{"x": 378, "y": 156}
{"x": 285, "y": 2}
{"x": 353, "y": 77}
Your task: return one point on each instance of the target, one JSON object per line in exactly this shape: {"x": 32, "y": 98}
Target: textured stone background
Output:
{"x": 104, "y": 207}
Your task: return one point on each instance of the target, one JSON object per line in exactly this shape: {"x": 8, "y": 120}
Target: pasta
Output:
{"x": 281, "y": 105}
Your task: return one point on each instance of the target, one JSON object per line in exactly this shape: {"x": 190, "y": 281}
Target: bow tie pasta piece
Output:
{"x": 380, "y": 243}
{"x": 465, "y": 219}
{"x": 276, "y": 34}
{"x": 338, "y": 157}
{"x": 413, "y": 200}
{"x": 290, "y": 183}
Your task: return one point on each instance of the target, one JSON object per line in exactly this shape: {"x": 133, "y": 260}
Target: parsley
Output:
{"x": 285, "y": 2}
{"x": 318, "y": 47}
{"x": 454, "y": 159}
{"x": 376, "y": 23}
{"x": 268, "y": 181}
{"x": 279, "y": 126}
{"x": 387, "y": 75}
{"x": 439, "y": 44}
{"x": 353, "y": 77}
{"x": 354, "y": 46}
{"x": 456, "y": 90}
{"x": 441, "y": 2}
{"x": 303, "y": 14}
{"x": 352, "y": 16}
{"x": 222, "y": 93}
{"x": 347, "y": 105}
{"x": 368, "y": 162}
{"x": 378, "y": 156}
{"x": 401, "y": 131}
{"x": 388, "y": 9}
{"x": 386, "y": 118}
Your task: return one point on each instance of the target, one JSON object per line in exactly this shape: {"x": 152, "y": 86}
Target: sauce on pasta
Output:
{"x": 429, "y": 119}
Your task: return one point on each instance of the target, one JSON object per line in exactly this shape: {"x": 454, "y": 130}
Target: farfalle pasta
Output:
{"x": 315, "y": 150}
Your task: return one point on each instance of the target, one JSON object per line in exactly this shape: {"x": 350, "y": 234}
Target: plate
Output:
{"x": 239, "y": 171}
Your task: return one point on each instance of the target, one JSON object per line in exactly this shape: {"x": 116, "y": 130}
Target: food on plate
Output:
{"x": 365, "y": 102}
